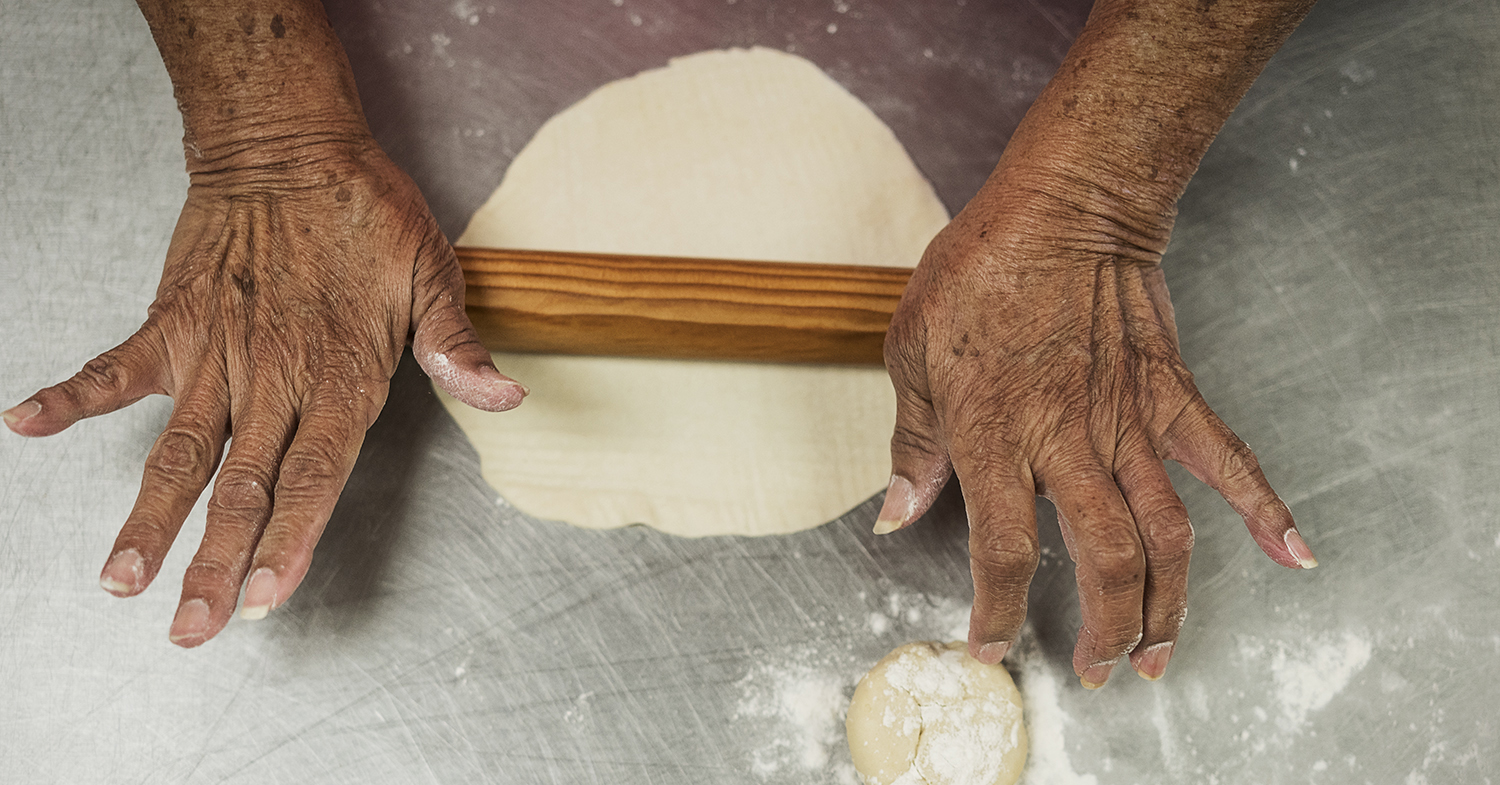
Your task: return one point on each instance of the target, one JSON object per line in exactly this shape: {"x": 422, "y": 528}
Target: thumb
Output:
{"x": 919, "y": 463}
{"x": 443, "y": 338}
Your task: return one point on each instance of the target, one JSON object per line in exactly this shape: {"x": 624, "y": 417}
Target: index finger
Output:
{"x": 1205, "y": 446}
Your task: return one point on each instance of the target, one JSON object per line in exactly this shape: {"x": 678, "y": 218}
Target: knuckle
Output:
{"x": 1005, "y": 560}
{"x": 241, "y": 491}
{"x": 103, "y": 374}
{"x": 1237, "y": 463}
{"x": 209, "y": 569}
{"x": 440, "y": 295}
{"x": 1118, "y": 564}
{"x": 1164, "y": 526}
{"x": 1170, "y": 535}
{"x": 181, "y": 454}
{"x": 308, "y": 472}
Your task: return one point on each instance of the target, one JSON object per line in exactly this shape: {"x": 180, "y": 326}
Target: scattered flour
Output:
{"x": 1308, "y": 678}
{"x": 921, "y": 617}
{"x": 1046, "y": 720}
{"x": 1166, "y": 734}
{"x": 466, "y": 11}
{"x": 805, "y": 703}
{"x": 579, "y": 714}
{"x": 1357, "y": 72}
{"x": 803, "y": 699}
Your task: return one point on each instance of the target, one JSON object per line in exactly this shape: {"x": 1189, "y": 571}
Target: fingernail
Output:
{"x": 1299, "y": 549}
{"x": 993, "y": 653}
{"x": 191, "y": 621}
{"x": 260, "y": 594}
{"x": 18, "y": 414}
{"x": 1153, "y": 663}
{"x": 900, "y": 501}
{"x": 496, "y": 375}
{"x": 122, "y": 575}
{"x": 1096, "y": 675}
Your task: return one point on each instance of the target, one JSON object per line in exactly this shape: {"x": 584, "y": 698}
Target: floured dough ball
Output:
{"x": 929, "y": 714}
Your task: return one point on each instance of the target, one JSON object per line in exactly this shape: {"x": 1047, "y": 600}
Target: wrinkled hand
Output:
{"x": 288, "y": 294}
{"x": 1035, "y": 354}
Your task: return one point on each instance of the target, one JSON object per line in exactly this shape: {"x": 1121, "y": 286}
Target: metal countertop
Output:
{"x": 1337, "y": 287}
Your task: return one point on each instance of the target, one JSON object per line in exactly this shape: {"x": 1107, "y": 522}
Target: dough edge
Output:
{"x": 554, "y": 472}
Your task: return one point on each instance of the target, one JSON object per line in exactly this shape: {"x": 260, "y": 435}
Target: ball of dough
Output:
{"x": 929, "y": 714}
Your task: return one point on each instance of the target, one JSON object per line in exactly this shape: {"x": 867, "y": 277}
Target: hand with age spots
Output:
{"x": 1030, "y": 370}
{"x": 1034, "y": 352}
{"x": 300, "y": 266}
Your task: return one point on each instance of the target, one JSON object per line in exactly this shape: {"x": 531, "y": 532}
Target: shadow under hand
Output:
{"x": 1052, "y": 610}
{"x": 365, "y": 529}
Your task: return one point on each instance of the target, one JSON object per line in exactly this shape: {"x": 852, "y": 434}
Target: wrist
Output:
{"x": 312, "y": 159}
{"x": 271, "y": 119}
{"x": 1066, "y": 211}
{"x": 258, "y": 82}
{"x": 1109, "y": 146}
{"x": 273, "y": 150}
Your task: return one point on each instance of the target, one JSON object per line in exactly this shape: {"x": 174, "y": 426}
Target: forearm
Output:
{"x": 1123, "y": 125}
{"x": 255, "y": 80}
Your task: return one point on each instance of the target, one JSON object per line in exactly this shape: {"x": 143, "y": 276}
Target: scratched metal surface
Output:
{"x": 1336, "y": 277}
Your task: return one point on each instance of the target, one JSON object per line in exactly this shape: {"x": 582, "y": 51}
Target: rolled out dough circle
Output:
{"x": 750, "y": 154}
{"x": 929, "y": 714}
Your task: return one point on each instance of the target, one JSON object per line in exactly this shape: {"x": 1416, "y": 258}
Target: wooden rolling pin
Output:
{"x": 655, "y": 306}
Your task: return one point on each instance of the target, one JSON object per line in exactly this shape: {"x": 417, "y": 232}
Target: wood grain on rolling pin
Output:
{"x": 655, "y": 306}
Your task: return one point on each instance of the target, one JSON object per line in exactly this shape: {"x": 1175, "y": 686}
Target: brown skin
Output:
{"x": 302, "y": 263}
{"x": 1034, "y": 352}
